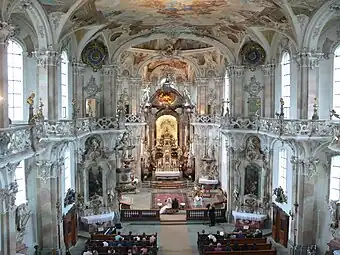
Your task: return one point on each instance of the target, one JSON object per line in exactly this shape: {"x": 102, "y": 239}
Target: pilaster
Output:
{"x": 48, "y": 90}
{"x": 78, "y": 71}
{"x": 269, "y": 90}
{"x": 108, "y": 74}
{"x": 49, "y": 206}
{"x": 307, "y": 81}
{"x": 236, "y": 79}
{"x": 7, "y": 217}
{"x": 6, "y": 30}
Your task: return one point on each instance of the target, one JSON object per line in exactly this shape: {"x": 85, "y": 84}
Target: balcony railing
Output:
{"x": 26, "y": 138}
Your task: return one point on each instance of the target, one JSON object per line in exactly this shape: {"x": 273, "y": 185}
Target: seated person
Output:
{"x": 218, "y": 247}
{"x": 240, "y": 235}
{"x": 144, "y": 251}
{"x": 88, "y": 252}
{"x": 152, "y": 239}
{"x": 257, "y": 233}
{"x": 228, "y": 248}
{"x": 118, "y": 236}
{"x": 105, "y": 244}
{"x": 212, "y": 238}
{"x": 95, "y": 252}
{"x": 134, "y": 249}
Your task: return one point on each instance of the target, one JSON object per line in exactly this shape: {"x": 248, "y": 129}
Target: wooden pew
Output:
{"x": 206, "y": 241}
{"x": 110, "y": 237}
{"x": 122, "y": 249}
{"x": 252, "y": 252}
{"x": 259, "y": 246}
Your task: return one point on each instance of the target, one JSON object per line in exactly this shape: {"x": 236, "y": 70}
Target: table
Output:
{"x": 167, "y": 174}
{"x": 99, "y": 218}
{"x": 207, "y": 182}
{"x": 251, "y": 220}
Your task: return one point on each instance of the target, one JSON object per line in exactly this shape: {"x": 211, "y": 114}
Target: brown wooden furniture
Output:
{"x": 139, "y": 215}
{"x": 202, "y": 214}
{"x": 258, "y": 252}
{"x": 70, "y": 227}
{"x": 280, "y": 226}
{"x": 259, "y": 246}
{"x": 125, "y": 205}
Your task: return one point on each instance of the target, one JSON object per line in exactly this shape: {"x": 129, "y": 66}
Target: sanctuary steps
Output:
{"x": 170, "y": 184}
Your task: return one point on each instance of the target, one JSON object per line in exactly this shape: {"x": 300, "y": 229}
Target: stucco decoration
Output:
{"x": 254, "y": 87}
{"x": 92, "y": 88}
{"x": 94, "y": 54}
{"x": 253, "y": 54}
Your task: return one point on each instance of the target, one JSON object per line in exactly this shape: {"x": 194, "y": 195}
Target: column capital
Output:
{"x": 306, "y": 166}
{"x": 6, "y": 31}
{"x": 46, "y": 170}
{"x": 7, "y": 196}
{"x": 47, "y": 58}
{"x": 202, "y": 82}
{"x": 236, "y": 70}
{"x": 268, "y": 70}
{"x": 78, "y": 68}
{"x": 108, "y": 70}
{"x": 308, "y": 59}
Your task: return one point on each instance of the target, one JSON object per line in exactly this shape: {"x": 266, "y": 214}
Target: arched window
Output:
{"x": 226, "y": 86}
{"x": 15, "y": 81}
{"x": 20, "y": 197}
{"x": 285, "y": 83}
{"x": 283, "y": 165}
{"x": 68, "y": 170}
{"x": 334, "y": 186}
{"x": 64, "y": 86}
{"x": 336, "y": 80}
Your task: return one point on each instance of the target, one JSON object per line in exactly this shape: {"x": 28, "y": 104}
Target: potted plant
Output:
{"x": 280, "y": 195}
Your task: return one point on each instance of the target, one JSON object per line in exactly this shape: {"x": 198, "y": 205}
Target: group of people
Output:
{"x": 170, "y": 204}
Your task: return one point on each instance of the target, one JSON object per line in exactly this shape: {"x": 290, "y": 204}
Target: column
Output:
{"x": 202, "y": 84}
{"x": 268, "y": 108}
{"x": 6, "y": 30}
{"x": 307, "y": 82}
{"x": 49, "y": 206}
{"x": 236, "y": 77}
{"x": 304, "y": 227}
{"x": 48, "y": 67}
{"x": 108, "y": 72}
{"x": 78, "y": 71}
{"x": 7, "y": 217}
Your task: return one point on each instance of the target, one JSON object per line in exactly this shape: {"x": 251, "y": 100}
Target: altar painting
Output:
{"x": 95, "y": 181}
{"x": 252, "y": 180}
{"x": 166, "y": 130}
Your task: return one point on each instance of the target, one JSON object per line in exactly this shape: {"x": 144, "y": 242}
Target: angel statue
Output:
{"x": 146, "y": 95}
{"x": 236, "y": 196}
{"x": 30, "y": 99}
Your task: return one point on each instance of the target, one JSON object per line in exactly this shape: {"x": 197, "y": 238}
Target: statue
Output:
{"x": 236, "y": 196}
{"x": 30, "y": 99}
{"x": 146, "y": 96}
{"x": 332, "y": 208}
{"x": 22, "y": 215}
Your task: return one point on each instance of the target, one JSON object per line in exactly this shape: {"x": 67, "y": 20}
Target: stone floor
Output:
{"x": 170, "y": 234}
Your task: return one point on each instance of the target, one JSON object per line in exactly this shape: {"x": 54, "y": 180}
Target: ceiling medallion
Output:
{"x": 253, "y": 54}
{"x": 94, "y": 54}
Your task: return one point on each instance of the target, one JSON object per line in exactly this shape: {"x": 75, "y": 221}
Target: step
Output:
{"x": 173, "y": 223}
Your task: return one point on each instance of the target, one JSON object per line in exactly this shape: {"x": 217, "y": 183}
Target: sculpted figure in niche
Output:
{"x": 253, "y": 148}
{"x": 146, "y": 96}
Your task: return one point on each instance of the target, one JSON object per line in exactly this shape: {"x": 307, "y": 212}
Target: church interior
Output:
{"x": 164, "y": 118}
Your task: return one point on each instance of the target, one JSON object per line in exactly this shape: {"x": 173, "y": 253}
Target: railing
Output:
{"x": 202, "y": 214}
{"x": 139, "y": 215}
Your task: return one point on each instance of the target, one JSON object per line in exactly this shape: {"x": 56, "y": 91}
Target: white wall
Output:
{"x": 224, "y": 165}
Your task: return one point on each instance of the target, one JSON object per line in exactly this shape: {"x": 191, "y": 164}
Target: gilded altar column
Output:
{"x": 237, "y": 96}
{"x": 269, "y": 90}
{"x": 78, "y": 71}
{"x": 307, "y": 82}
{"x": 6, "y": 30}
{"x": 48, "y": 65}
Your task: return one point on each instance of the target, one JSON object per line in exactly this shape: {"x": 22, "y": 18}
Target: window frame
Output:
{"x": 67, "y": 170}
{"x": 15, "y": 77}
{"x": 21, "y": 182}
{"x": 64, "y": 86}
{"x": 286, "y": 82}
{"x": 334, "y": 177}
{"x": 336, "y": 80}
{"x": 283, "y": 169}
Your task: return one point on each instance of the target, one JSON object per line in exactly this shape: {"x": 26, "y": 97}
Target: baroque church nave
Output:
{"x": 112, "y": 110}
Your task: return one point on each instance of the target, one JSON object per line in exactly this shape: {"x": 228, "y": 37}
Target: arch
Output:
{"x": 39, "y": 20}
{"x": 142, "y": 39}
{"x": 316, "y": 25}
{"x": 276, "y": 50}
{"x": 185, "y": 59}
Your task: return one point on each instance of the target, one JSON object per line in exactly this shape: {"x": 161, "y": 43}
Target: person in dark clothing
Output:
{"x": 236, "y": 247}
{"x": 212, "y": 216}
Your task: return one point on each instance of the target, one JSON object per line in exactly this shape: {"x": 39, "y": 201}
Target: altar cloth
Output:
{"x": 99, "y": 218}
{"x": 337, "y": 252}
{"x": 207, "y": 182}
{"x": 167, "y": 173}
{"x": 249, "y": 216}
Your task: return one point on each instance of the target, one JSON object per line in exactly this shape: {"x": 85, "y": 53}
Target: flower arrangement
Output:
{"x": 280, "y": 195}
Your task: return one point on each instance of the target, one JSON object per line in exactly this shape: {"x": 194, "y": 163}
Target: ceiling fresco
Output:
{"x": 178, "y": 44}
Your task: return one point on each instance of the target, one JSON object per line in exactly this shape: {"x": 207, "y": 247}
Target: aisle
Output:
{"x": 174, "y": 240}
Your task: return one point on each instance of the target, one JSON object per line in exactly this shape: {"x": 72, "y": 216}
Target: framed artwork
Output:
{"x": 91, "y": 107}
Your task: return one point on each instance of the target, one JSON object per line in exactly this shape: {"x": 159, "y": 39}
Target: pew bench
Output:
{"x": 251, "y": 252}
{"x": 110, "y": 237}
{"x": 122, "y": 249}
{"x": 206, "y": 241}
{"x": 259, "y": 246}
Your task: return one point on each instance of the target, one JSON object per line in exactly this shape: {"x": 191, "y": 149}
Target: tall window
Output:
{"x": 285, "y": 83}
{"x": 336, "y": 80}
{"x": 20, "y": 178}
{"x": 226, "y": 86}
{"x": 64, "y": 86}
{"x": 67, "y": 168}
{"x": 15, "y": 81}
{"x": 283, "y": 162}
{"x": 334, "y": 187}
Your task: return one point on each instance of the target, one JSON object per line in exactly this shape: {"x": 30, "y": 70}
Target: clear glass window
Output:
{"x": 336, "y": 80}
{"x": 20, "y": 197}
{"x": 285, "y": 83}
{"x": 64, "y": 86}
{"x": 283, "y": 163}
{"x": 334, "y": 187}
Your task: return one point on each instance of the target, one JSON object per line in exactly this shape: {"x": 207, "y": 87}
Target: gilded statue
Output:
{"x": 30, "y": 99}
